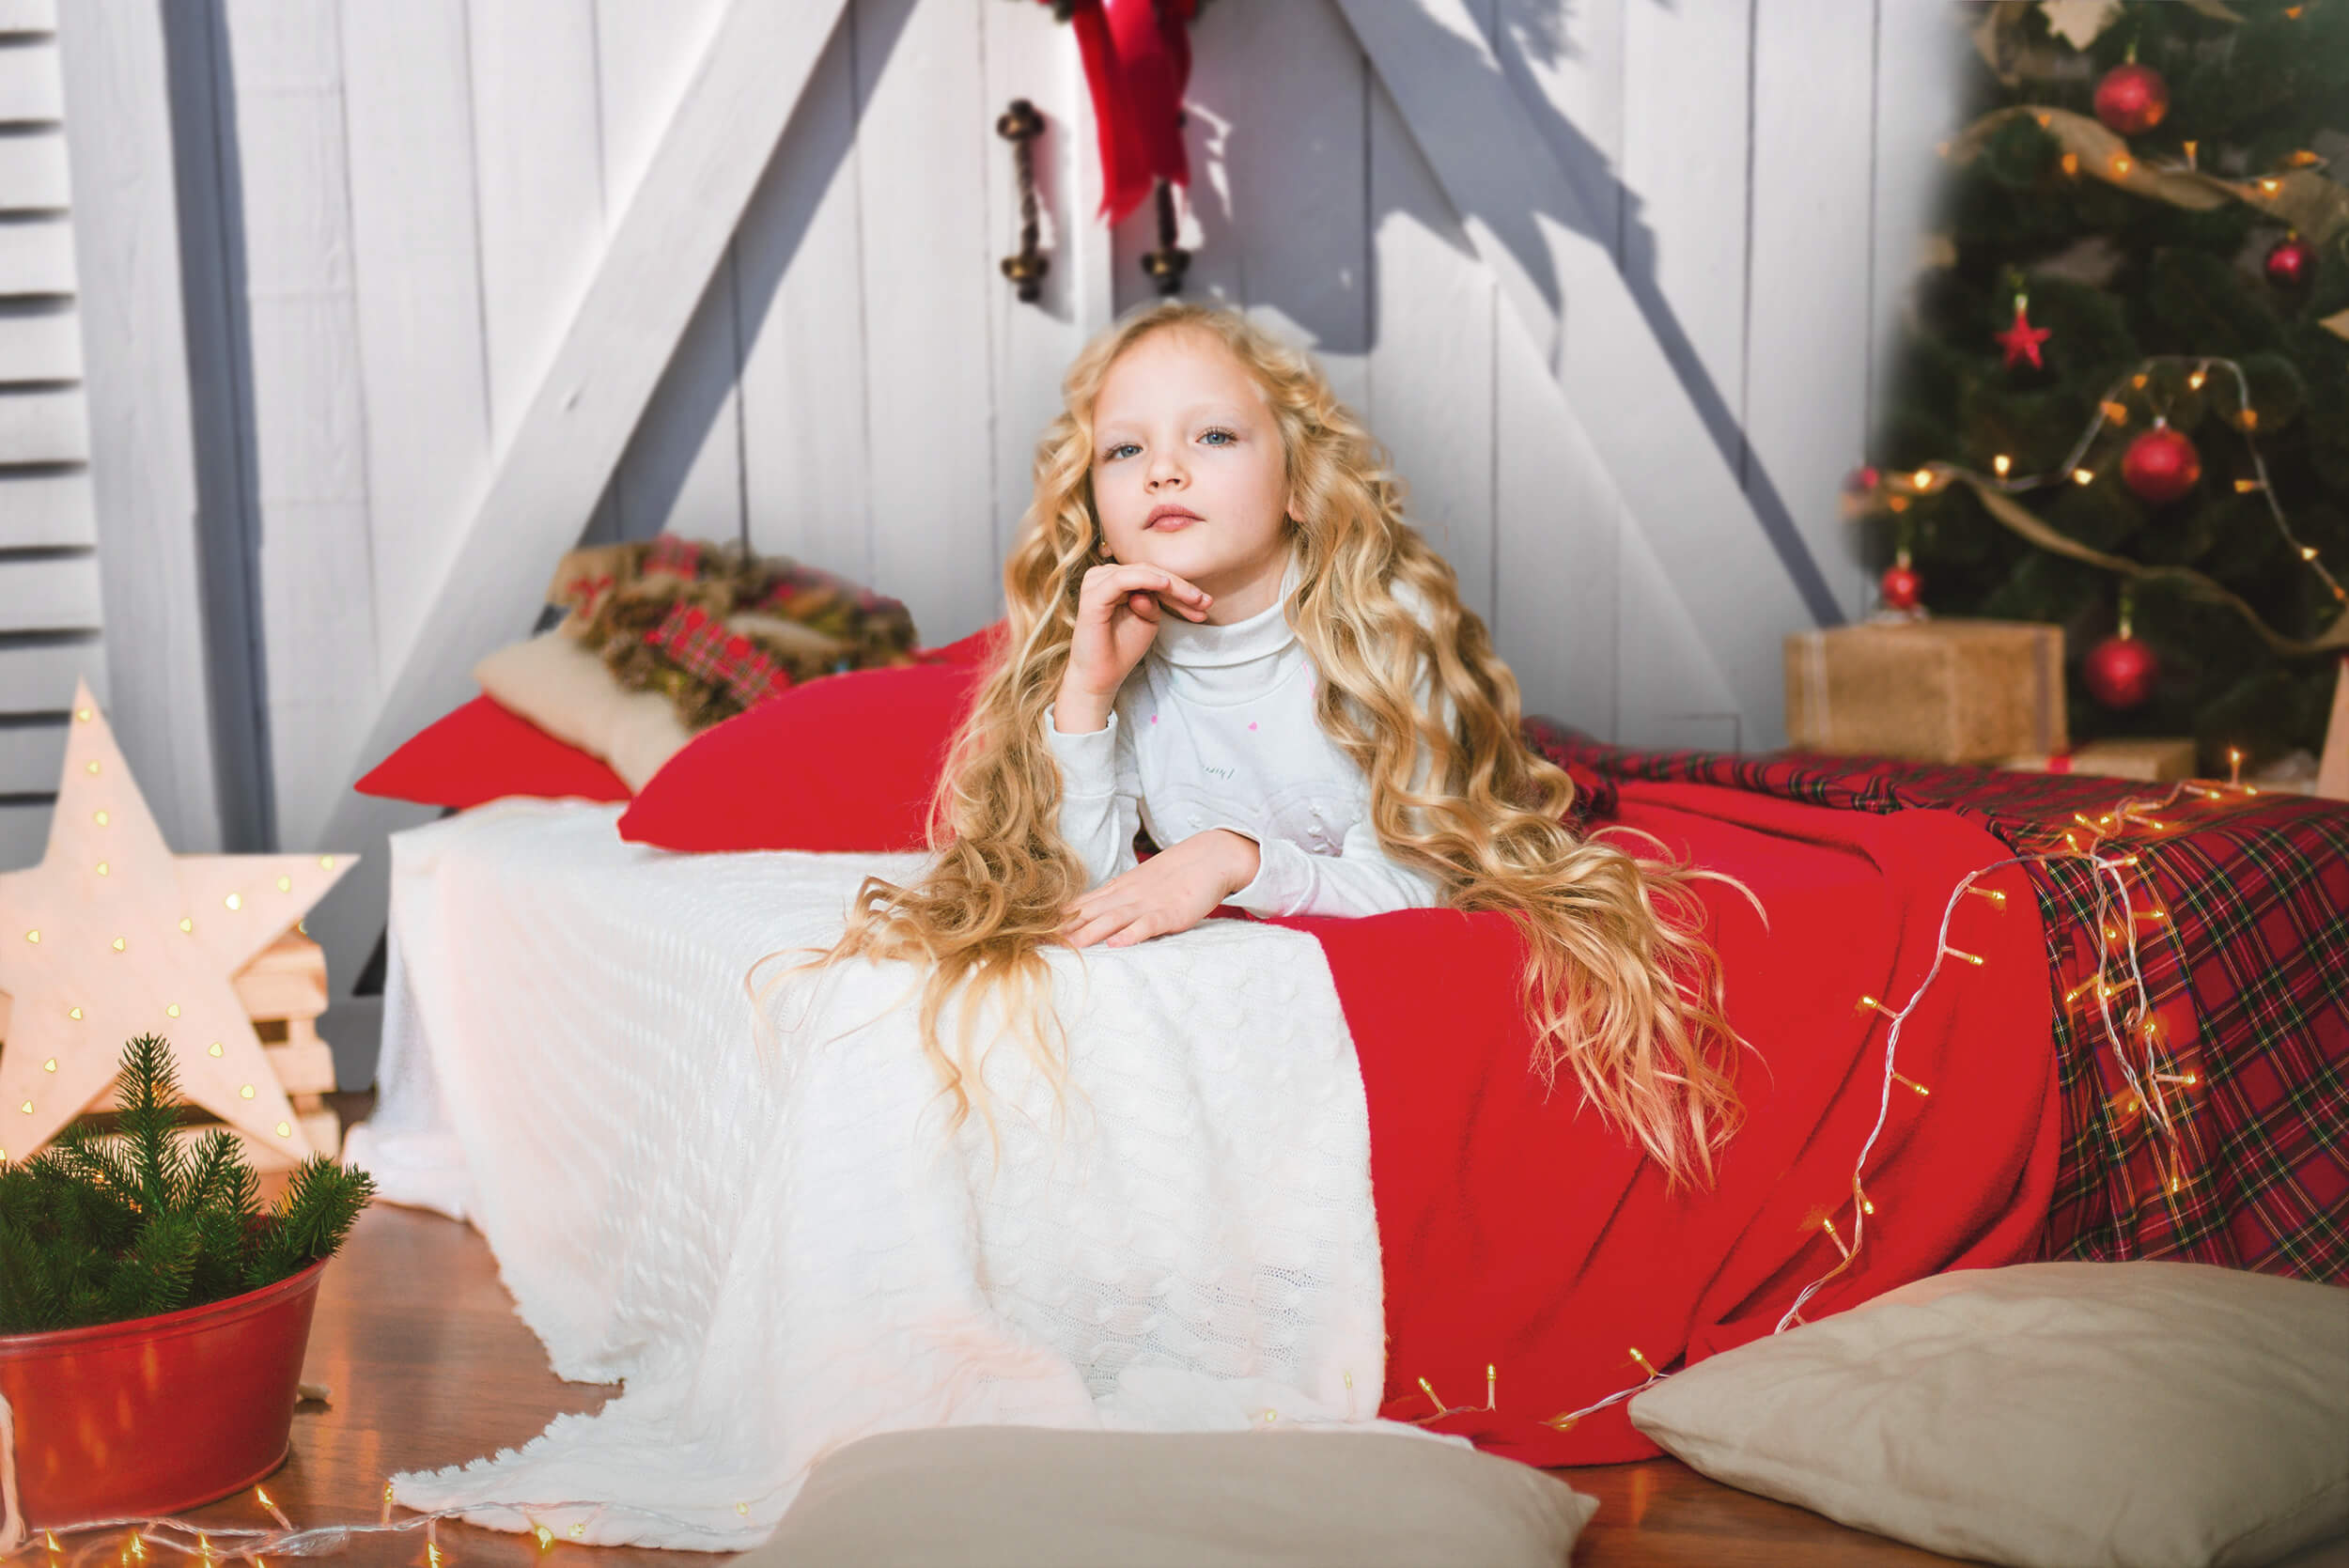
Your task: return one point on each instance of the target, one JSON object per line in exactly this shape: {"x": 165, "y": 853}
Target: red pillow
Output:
{"x": 483, "y": 752}
{"x": 977, "y": 648}
{"x": 844, "y": 763}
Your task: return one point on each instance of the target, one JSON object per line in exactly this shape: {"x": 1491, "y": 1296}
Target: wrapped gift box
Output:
{"x": 2149, "y": 759}
{"x": 1928, "y": 690}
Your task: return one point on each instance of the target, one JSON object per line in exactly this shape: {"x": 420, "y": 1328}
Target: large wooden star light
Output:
{"x": 112, "y": 936}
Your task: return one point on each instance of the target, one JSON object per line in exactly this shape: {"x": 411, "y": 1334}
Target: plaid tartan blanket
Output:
{"x": 2240, "y": 903}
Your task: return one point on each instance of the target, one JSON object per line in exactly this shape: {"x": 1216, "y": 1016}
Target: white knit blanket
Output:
{"x": 783, "y": 1251}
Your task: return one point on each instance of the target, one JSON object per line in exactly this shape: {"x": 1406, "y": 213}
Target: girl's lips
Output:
{"x": 1172, "y": 520}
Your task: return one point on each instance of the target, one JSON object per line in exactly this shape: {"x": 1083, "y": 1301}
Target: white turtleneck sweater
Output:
{"x": 1214, "y": 728}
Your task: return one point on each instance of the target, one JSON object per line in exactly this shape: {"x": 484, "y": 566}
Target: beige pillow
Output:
{"x": 557, "y": 683}
{"x": 1041, "y": 1497}
{"x": 2063, "y": 1414}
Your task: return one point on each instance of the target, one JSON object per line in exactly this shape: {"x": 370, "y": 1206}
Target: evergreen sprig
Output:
{"x": 105, "y": 1227}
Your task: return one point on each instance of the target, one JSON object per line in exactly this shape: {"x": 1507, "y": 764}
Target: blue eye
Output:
{"x": 1228, "y": 437}
{"x": 1119, "y": 447}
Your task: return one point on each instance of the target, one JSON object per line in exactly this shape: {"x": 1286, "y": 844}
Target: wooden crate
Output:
{"x": 284, "y": 991}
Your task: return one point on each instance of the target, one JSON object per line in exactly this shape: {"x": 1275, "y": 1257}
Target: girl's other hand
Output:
{"x": 1172, "y": 891}
{"x": 1118, "y": 608}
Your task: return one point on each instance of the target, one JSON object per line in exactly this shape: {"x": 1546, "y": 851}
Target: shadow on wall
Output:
{"x": 1591, "y": 201}
{"x": 807, "y": 158}
{"x": 220, "y": 377}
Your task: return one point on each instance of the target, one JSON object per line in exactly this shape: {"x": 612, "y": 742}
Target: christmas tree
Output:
{"x": 2122, "y": 401}
{"x": 103, "y": 1227}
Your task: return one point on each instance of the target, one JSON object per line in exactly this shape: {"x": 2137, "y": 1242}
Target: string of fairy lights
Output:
{"x": 2145, "y": 1079}
{"x": 2151, "y": 1079}
{"x": 2110, "y": 410}
{"x": 225, "y": 1545}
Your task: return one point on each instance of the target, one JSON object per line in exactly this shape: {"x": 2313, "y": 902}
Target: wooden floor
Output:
{"x": 429, "y": 1366}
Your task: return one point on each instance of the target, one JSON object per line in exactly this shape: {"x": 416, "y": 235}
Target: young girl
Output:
{"x": 1223, "y": 629}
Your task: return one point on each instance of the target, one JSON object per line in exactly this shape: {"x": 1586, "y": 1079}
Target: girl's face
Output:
{"x": 1188, "y": 471}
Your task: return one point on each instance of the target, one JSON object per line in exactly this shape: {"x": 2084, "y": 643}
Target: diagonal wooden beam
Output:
{"x": 1529, "y": 225}
{"x": 656, "y": 263}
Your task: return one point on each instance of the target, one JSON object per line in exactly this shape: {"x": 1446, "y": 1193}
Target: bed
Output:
{"x": 2250, "y": 970}
{"x": 1324, "y": 1190}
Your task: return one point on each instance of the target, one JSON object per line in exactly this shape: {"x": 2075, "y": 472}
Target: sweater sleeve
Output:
{"x": 1361, "y": 878}
{"x": 1100, "y": 797}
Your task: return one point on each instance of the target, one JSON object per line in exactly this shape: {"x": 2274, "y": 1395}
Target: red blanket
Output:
{"x": 1522, "y": 1233}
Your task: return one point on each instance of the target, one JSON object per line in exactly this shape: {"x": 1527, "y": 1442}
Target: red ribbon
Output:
{"x": 589, "y": 591}
{"x": 1136, "y": 60}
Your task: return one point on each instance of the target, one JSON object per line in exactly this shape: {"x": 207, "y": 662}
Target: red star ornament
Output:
{"x": 112, "y": 936}
{"x": 2022, "y": 340}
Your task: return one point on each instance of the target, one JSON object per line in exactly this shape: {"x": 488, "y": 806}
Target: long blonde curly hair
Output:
{"x": 1618, "y": 986}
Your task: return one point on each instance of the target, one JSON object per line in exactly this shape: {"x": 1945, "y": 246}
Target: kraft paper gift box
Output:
{"x": 1928, "y": 690}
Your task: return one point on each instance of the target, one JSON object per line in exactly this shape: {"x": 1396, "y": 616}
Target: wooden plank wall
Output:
{"x": 51, "y": 608}
{"x": 425, "y": 187}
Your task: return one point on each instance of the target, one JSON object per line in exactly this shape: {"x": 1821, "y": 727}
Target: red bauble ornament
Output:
{"x": 2160, "y": 466}
{"x": 2290, "y": 262}
{"x": 2132, "y": 98}
{"x": 1901, "y": 586}
{"x": 2022, "y": 340}
{"x": 2121, "y": 672}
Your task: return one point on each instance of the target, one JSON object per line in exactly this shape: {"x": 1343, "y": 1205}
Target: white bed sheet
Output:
{"x": 782, "y": 1252}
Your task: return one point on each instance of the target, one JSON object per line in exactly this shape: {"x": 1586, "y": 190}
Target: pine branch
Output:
{"x": 217, "y": 1178}
{"x": 149, "y": 1087}
{"x": 96, "y": 1159}
{"x": 26, "y": 1285}
{"x": 321, "y": 1202}
{"x": 153, "y": 1277}
{"x": 99, "y": 1228}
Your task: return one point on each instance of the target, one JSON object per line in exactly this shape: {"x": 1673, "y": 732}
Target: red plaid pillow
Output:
{"x": 705, "y": 649}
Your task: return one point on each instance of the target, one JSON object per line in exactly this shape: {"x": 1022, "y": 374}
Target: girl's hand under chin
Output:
{"x": 1118, "y": 607}
{"x": 1172, "y": 891}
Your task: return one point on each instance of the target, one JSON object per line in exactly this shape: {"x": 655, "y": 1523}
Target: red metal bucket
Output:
{"x": 159, "y": 1414}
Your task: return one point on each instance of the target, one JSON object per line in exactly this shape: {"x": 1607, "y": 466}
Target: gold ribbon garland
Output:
{"x": 1997, "y": 495}
{"x": 2333, "y": 639}
{"x": 2302, "y": 198}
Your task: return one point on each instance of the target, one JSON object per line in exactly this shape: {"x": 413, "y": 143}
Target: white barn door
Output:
{"x": 1609, "y": 279}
